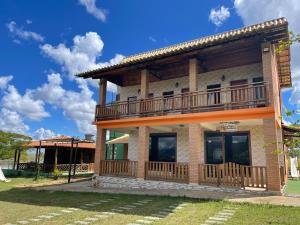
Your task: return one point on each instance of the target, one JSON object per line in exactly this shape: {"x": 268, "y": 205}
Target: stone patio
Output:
{"x": 118, "y": 185}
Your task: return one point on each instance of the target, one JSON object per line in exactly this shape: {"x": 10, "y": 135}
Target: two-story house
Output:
{"x": 204, "y": 111}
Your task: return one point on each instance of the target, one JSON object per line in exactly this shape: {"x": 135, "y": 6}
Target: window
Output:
{"x": 213, "y": 94}
{"x": 227, "y": 147}
{"x": 162, "y": 147}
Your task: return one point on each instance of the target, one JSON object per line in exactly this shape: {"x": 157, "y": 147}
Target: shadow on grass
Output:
{"x": 63, "y": 199}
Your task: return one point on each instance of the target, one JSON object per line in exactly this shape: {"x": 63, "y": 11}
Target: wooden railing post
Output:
{"x": 242, "y": 176}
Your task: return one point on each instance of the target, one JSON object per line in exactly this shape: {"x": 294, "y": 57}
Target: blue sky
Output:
{"x": 32, "y": 30}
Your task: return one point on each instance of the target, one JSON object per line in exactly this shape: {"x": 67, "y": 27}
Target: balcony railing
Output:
{"x": 234, "y": 97}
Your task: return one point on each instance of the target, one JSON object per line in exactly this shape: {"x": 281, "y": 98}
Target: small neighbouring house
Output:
{"x": 204, "y": 111}
{"x": 57, "y": 155}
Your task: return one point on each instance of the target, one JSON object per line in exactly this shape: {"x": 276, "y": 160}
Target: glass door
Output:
{"x": 227, "y": 147}
{"x": 214, "y": 148}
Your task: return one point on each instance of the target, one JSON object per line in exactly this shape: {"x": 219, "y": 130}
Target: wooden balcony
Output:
{"x": 235, "y": 97}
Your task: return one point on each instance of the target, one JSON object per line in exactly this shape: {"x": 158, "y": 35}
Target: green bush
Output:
{"x": 56, "y": 173}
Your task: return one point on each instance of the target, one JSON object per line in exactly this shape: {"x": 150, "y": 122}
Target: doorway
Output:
{"x": 222, "y": 147}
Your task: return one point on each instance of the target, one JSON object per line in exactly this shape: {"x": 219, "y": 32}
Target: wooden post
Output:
{"x": 70, "y": 160}
{"x": 18, "y": 160}
{"x": 55, "y": 157}
{"x": 36, "y": 157}
{"x": 15, "y": 158}
{"x": 75, "y": 158}
{"x": 38, "y": 161}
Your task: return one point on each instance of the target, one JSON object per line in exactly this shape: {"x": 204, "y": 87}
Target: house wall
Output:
{"x": 204, "y": 79}
{"x": 256, "y": 144}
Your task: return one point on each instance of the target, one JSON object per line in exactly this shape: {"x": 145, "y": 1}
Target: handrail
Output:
{"x": 239, "y": 96}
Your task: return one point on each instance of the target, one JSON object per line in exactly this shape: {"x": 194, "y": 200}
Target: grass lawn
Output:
{"x": 293, "y": 187}
{"x": 19, "y": 204}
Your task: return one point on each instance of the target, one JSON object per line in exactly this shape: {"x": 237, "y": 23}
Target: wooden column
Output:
{"x": 143, "y": 139}
{"x": 18, "y": 160}
{"x": 55, "y": 158}
{"x": 101, "y": 133}
{"x": 102, "y": 91}
{"x": 100, "y": 148}
{"x": 15, "y": 158}
{"x": 144, "y": 83}
{"x": 193, "y": 81}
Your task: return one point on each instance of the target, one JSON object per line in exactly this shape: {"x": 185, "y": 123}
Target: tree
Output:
{"x": 9, "y": 142}
{"x": 284, "y": 44}
{"x": 293, "y": 144}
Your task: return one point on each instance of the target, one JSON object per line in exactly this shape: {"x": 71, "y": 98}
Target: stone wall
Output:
{"x": 204, "y": 79}
{"x": 257, "y": 151}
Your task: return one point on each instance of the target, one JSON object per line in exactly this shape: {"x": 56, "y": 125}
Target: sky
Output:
{"x": 43, "y": 44}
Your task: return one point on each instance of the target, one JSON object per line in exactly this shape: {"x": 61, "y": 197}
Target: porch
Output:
{"x": 220, "y": 175}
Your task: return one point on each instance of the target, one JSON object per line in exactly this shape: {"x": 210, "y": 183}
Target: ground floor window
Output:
{"x": 162, "y": 147}
{"x": 227, "y": 147}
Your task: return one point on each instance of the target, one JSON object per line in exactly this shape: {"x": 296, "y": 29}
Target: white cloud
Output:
{"x": 4, "y": 80}
{"x": 11, "y": 121}
{"x": 24, "y": 105}
{"x": 53, "y": 86}
{"x": 42, "y": 134}
{"x": 218, "y": 16}
{"x": 19, "y": 32}
{"x": 82, "y": 56}
{"x": 28, "y": 21}
{"x": 256, "y": 11}
{"x": 90, "y": 6}
{"x": 152, "y": 39}
{"x": 76, "y": 106}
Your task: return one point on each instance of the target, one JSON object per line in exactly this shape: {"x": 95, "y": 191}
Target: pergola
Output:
{"x": 58, "y": 144}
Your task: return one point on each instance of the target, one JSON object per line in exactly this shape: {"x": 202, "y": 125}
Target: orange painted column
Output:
{"x": 101, "y": 133}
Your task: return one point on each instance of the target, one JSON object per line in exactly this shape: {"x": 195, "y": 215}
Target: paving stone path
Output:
{"x": 111, "y": 212}
{"x": 159, "y": 215}
{"x": 51, "y": 215}
{"x": 221, "y": 217}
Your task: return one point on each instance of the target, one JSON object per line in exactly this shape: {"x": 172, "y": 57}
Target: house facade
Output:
{"x": 204, "y": 111}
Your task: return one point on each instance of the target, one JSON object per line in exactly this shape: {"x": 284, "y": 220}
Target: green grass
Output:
{"x": 293, "y": 187}
{"x": 19, "y": 203}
